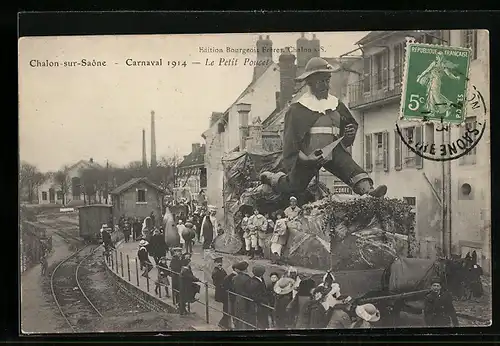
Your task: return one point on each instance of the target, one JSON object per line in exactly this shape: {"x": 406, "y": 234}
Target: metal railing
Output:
{"x": 250, "y": 314}
{"x": 375, "y": 87}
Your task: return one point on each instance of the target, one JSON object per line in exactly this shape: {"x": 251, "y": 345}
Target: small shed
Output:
{"x": 138, "y": 197}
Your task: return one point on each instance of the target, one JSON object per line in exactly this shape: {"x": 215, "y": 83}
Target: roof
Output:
{"x": 134, "y": 181}
{"x": 246, "y": 91}
{"x": 371, "y": 36}
{"x": 194, "y": 158}
{"x": 276, "y": 115}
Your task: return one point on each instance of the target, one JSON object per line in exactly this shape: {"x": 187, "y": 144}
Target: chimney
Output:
{"x": 315, "y": 46}
{"x": 153, "y": 140}
{"x": 243, "y": 110}
{"x": 144, "y": 161}
{"x": 215, "y": 117}
{"x": 288, "y": 71}
{"x": 255, "y": 133}
{"x": 264, "y": 56}
{"x": 302, "y": 43}
{"x": 195, "y": 147}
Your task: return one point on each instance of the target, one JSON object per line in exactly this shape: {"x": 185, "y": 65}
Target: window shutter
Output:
{"x": 397, "y": 151}
{"x": 368, "y": 153}
{"x": 385, "y": 143}
{"x": 419, "y": 161}
{"x": 445, "y": 35}
{"x": 474, "y": 44}
{"x": 367, "y": 67}
{"x": 429, "y": 134}
{"x": 385, "y": 71}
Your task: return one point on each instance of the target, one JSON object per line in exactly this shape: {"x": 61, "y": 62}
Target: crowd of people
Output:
{"x": 251, "y": 301}
{"x": 285, "y": 302}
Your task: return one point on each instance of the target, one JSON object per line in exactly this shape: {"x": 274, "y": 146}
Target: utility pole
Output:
{"x": 107, "y": 182}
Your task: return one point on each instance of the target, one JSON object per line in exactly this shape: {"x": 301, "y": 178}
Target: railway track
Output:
{"x": 69, "y": 296}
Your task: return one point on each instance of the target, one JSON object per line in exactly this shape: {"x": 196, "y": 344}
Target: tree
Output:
{"x": 30, "y": 178}
{"x": 61, "y": 178}
{"x": 94, "y": 183}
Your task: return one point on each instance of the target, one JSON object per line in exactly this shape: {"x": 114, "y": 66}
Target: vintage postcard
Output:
{"x": 255, "y": 181}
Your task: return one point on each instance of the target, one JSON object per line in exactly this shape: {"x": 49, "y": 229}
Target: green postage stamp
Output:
{"x": 435, "y": 83}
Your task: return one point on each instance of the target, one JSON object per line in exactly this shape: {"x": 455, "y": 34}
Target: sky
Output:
{"x": 67, "y": 114}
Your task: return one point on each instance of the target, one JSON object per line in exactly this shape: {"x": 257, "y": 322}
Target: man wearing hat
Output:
{"x": 438, "y": 307}
{"x": 258, "y": 293}
{"x": 209, "y": 228}
{"x": 175, "y": 270}
{"x": 241, "y": 305}
{"x": 218, "y": 275}
{"x": 314, "y": 121}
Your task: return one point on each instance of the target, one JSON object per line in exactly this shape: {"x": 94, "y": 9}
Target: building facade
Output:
{"x": 223, "y": 136}
{"x": 137, "y": 198}
{"x": 374, "y": 93}
{"x": 191, "y": 174}
{"x": 50, "y": 192}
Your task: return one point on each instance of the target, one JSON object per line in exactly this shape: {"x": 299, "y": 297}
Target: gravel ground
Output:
{"x": 120, "y": 311}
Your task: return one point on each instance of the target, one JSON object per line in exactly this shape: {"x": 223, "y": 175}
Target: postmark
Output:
{"x": 435, "y": 83}
{"x": 466, "y": 135}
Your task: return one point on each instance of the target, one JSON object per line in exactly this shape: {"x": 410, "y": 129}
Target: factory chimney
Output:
{"x": 153, "y": 140}
{"x": 144, "y": 161}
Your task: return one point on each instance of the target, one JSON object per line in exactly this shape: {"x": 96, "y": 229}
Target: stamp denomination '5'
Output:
{"x": 435, "y": 84}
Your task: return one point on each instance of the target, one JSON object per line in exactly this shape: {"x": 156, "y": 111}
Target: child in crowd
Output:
{"x": 162, "y": 277}
{"x": 143, "y": 256}
{"x": 278, "y": 240}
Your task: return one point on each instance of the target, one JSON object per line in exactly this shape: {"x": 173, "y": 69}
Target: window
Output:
{"x": 404, "y": 157}
{"x": 368, "y": 153}
{"x": 382, "y": 69}
{"x": 44, "y": 195}
{"x": 141, "y": 196}
{"x": 59, "y": 195}
{"x": 367, "y": 70}
{"x": 469, "y": 40}
{"x": 381, "y": 149}
{"x": 399, "y": 56}
{"x": 467, "y": 133}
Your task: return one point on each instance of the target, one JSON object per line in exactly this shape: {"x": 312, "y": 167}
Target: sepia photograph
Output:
{"x": 254, "y": 181}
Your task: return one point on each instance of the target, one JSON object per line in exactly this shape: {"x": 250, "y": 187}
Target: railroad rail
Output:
{"x": 72, "y": 302}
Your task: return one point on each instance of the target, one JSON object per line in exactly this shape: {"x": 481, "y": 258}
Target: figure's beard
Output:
{"x": 320, "y": 94}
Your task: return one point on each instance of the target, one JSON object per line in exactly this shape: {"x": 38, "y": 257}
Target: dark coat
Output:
{"x": 314, "y": 315}
{"x": 157, "y": 246}
{"x": 260, "y": 313}
{"x": 439, "y": 310}
{"x": 175, "y": 267}
{"x": 298, "y": 121}
{"x": 241, "y": 306}
{"x": 106, "y": 237}
{"x": 296, "y": 311}
{"x": 339, "y": 319}
{"x": 281, "y": 317}
{"x": 142, "y": 254}
{"x": 218, "y": 276}
{"x": 229, "y": 298}
{"x": 208, "y": 232}
{"x": 189, "y": 286}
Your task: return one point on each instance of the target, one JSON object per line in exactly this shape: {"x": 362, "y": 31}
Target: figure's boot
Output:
{"x": 271, "y": 179}
{"x": 365, "y": 186}
{"x": 251, "y": 253}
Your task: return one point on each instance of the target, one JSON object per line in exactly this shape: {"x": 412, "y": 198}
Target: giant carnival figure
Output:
{"x": 318, "y": 130}
{"x": 172, "y": 237}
